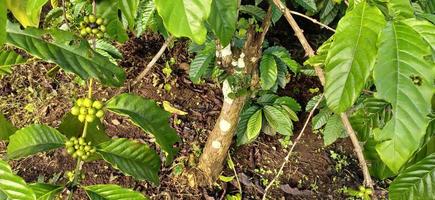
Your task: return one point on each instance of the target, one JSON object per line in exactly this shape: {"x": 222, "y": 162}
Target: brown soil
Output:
{"x": 311, "y": 174}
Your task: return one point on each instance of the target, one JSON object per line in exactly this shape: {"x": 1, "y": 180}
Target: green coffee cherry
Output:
{"x": 84, "y": 157}
{"x": 97, "y": 105}
{"x": 99, "y": 21}
{"x": 102, "y": 28}
{"x": 87, "y": 103}
{"x": 82, "y": 141}
{"x": 90, "y": 118}
{"x": 88, "y": 29}
{"x": 77, "y": 146}
{"x": 83, "y": 32}
{"x": 92, "y": 18}
{"x": 79, "y": 102}
{"x": 100, "y": 35}
{"x": 80, "y": 152}
{"x": 82, "y": 118}
{"x": 91, "y": 111}
{"x": 83, "y": 111}
{"x": 70, "y": 150}
{"x": 87, "y": 148}
{"x": 99, "y": 114}
{"x": 95, "y": 31}
{"x": 86, "y": 19}
{"x": 69, "y": 143}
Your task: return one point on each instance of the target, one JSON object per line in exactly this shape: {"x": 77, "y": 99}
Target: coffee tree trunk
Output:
{"x": 219, "y": 141}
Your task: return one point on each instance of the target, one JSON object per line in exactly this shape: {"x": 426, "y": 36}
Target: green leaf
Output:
{"x": 255, "y": 11}
{"x": 283, "y": 55}
{"x": 185, "y": 17}
{"x": 226, "y": 178}
{"x": 321, "y": 53}
{"x": 289, "y": 102}
{"x": 309, "y": 5}
{"x": 202, "y": 62}
{"x": 129, "y": 10}
{"x": 254, "y": 125}
{"x": 8, "y": 59}
{"x": 321, "y": 118}
{"x": 13, "y": 186}
{"x": 148, "y": 116}
{"x": 112, "y": 192}
{"x": 6, "y": 128}
{"x": 81, "y": 60}
{"x": 145, "y": 15}
{"x": 400, "y": 9}
{"x": 223, "y": 19}
{"x": 415, "y": 182}
{"x": 404, "y": 78}
{"x": 45, "y": 191}
{"x": 26, "y": 11}
{"x": 377, "y": 168}
{"x": 34, "y": 139}
{"x": 276, "y": 13}
{"x": 425, "y": 29}
{"x": 108, "y": 9}
{"x": 329, "y": 12}
{"x": 53, "y": 16}
{"x": 3, "y": 19}
{"x": 268, "y": 71}
{"x": 352, "y": 56}
{"x": 241, "y": 133}
{"x": 109, "y": 48}
{"x": 72, "y": 127}
{"x": 333, "y": 130}
{"x": 278, "y": 120}
{"x": 132, "y": 158}
{"x": 290, "y": 113}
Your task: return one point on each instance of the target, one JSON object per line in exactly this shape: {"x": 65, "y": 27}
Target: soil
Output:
{"x": 311, "y": 173}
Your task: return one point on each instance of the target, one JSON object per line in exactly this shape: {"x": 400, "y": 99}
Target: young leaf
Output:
{"x": 255, "y": 11}
{"x": 81, "y": 60}
{"x": 352, "y": 55}
{"x": 226, "y": 178}
{"x": 109, "y": 48}
{"x": 129, "y": 10}
{"x": 415, "y": 182}
{"x": 34, "y": 139}
{"x": 289, "y": 102}
{"x": 8, "y": 59}
{"x": 3, "y": 19}
{"x": 132, "y": 158}
{"x": 6, "y": 128}
{"x": 321, "y": 118}
{"x": 112, "y": 192}
{"x": 185, "y": 17}
{"x": 145, "y": 15}
{"x": 13, "y": 186}
{"x": 202, "y": 62}
{"x": 309, "y": 5}
{"x": 284, "y": 56}
{"x": 242, "y": 137}
{"x": 45, "y": 191}
{"x": 108, "y": 9}
{"x": 254, "y": 125}
{"x": 148, "y": 116}
{"x": 404, "y": 78}
{"x": 223, "y": 19}
{"x": 278, "y": 120}
{"x": 72, "y": 127}
{"x": 26, "y": 11}
{"x": 268, "y": 71}
{"x": 333, "y": 130}
{"x": 377, "y": 168}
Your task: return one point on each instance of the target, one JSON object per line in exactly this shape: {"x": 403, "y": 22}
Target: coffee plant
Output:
{"x": 378, "y": 65}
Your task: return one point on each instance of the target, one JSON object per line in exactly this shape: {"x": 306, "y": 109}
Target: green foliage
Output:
{"x": 185, "y": 17}
{"x": 254, "y": 11}
{"x": 45, "y": 191}
{"x": 108, "y": 9}
{"x": 352, "y": 56}
{"x": 34, "y": 139}
{"x": 254, "y": 125}
{"x": 3, "y": 19}
{"x": 8, "y": 59}
{"x": 132, "y": 158}
{"x": 242, "y": 136}
{"x": 400, "y": 9}
{"x": 129, "y": 10}
{"x": 27, "y": 12}
{"x": 81, "y": 60}
{"x": 268, "y": 72}
{"x": 72, "y": 127}
{"x": 112, "y": 192}
{"x": 223, "y": 19}
{"x": 202, "y": 62}
{"x": 13, "y": 186}
{"x": 309, "y": 5}
{"x": 334, "y": 129}
{"x": 148, "y": 116}
{"x": 6, "y": 128}
{"x": 145, "y": 15}
{"x": 415, "y": 182}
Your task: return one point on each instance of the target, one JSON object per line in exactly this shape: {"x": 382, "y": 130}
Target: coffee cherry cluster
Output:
{"x": 87, "y": 110}
{"x": 93, "y": 26}
{"x": 78, "y": 148}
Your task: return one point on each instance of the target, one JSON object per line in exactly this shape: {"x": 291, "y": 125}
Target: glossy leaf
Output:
{"x": 109, "y": 48}
{"x": 289, "y": 102}
{"x": 108, "y": 9}
{"x": 72, "y": 127}
{"x": 6, "y": 128}
{"x": 145, "y": 15}
{"x": 321, "y": 118}
{"x": 223, "y": 19}
{"x": 132, "y": 158}
{"x": 241, "y": 133}
{"x": 80, "y": 60}
{"x": 404, "y": 78}
{"x": 185, "y": 17}
{"x": 425, "y": 29}
{"x": 8, "y": 59}
{"x": 112, "y": 192}
{"x": 284, "y": 56}
{"x": 268, "y": 72}
{"x": 415, "y": 182}
{"x": 34, "y": 139}
{"x": 202, "y": 62}
{"x": 333, "y": 130}
{"x": 13, "y": 186}
{"x": 254, "y": 125}
{"x": 45, "y": 191}
{"x": 278, "y": 120}
{"x": 129, "y": 9}
{"x": 400, "y": 9}
{"x": 27, "y": 12}
{"x": 3, "y": 19}
{"x": 309, "y": 5}
{"x": 352, "y": 56}
{"x": 148, "y": 116}
{"x": 255, "y": 11}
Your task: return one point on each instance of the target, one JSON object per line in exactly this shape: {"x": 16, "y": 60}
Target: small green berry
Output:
{"x": 89, "y": 143}
{"x": 99, "y": 21}
{"x": 82, "y": 148}
{"x": 97, "y": 105}
{"x": 100, "y": 35}
{"x": 86, "y": 19}
{"x": 92, "y": 18}
{"x": 87, "y": 103}
{"x": 76, "y": 146}
{"x": 83, "y": 32}
{"x": 87, "y": 148}
{"x": 99, "y": 114}
{"x": 79, "y": 102}
{"x": 88, "y": 29}
{"x": 93, "y": 150}
{"x": 69, "y": 143}
{"x": 80, "y": 153}
{"x": 88, "y": 153}
{"x": 84, "y": 157}
{"x": 83, "y": 111}
{"x": 70, "y": 150}
{"x": 102, "y": 28}
{"x": 74, "y": 155}
{"x": 90, "y": 118}
{"x": 82, "y": 117}
{"x": 75, "y": 110}
{"x": 91, "y": 111}
{"x": 95, "y": 31}
{"x": 82, "y": 141}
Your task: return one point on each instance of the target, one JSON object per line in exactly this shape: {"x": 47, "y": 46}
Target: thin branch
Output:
{"x": 235, "y": 174}
{"x": 64, "y": 13}
{"x": 153, "y": 61}
{"x": 286, "y": 160}
{"x": 319, "y": 72}
{"x": 312, "y": 20}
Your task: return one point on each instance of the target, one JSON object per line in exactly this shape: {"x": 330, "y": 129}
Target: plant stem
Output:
{"x": 287, "y": 157}
{"x": 319, "y": 72}
{"x": 235, "y": 174}
{"x": 64, "y": 13}
{"x": 313, "y": 20}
